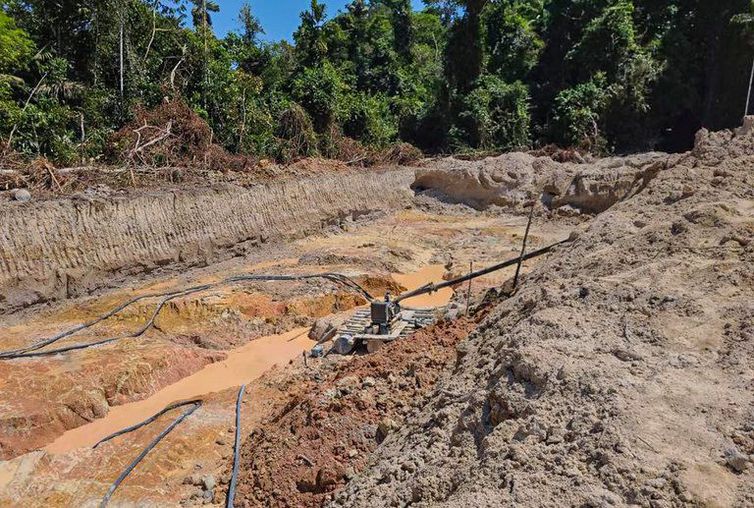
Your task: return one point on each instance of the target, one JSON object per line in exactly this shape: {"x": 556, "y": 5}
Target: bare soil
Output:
{"x": 618, "y": 373}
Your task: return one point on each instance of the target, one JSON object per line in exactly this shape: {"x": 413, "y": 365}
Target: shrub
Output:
{"x": 369, "y": 120}
{"x": 494, "y": 116}
{"x": 577, "y": 112}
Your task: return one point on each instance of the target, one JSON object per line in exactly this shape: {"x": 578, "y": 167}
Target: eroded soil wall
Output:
{"x": 68, "y": 247}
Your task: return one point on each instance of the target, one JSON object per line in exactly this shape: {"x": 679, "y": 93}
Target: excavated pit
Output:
{"x": 416, "y": 224}
{"x": 68, "y": 247}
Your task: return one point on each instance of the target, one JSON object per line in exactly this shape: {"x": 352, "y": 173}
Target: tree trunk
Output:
{"x": 120, "y": 47}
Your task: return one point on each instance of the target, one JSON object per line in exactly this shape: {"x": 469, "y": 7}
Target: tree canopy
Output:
{"x": 460, "y": 75}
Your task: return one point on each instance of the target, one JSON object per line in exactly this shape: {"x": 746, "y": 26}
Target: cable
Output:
{"x": 144, "y": 453}
{"x": 149, "y": 420}
{"x": 236, "y": 451}
{"x": 129, "y": 335}
{"x": 32, "y": 350}
{"x": 55, "y": 338}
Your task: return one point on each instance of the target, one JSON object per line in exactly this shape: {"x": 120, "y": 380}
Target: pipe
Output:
{"x": 432, "y": 287}
{"x": 523, "y": 247}
{"x": 236, "y": 451}
{"x": 32, "y": 350}
{"x": 144, "y": 453}
{"x": 149, "y": 420}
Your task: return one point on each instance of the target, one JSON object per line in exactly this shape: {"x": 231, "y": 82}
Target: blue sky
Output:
{"x": 279, "y": 17}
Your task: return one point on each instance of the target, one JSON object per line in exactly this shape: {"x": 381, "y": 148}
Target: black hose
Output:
{"x": 85, "y": 345}
{"x": 236, "y": 451}
{"x": 144, "y": 453}
{"x": 149, "y": 420}
{"x": 32, "y": 350}
{"x": 55, "y": 338}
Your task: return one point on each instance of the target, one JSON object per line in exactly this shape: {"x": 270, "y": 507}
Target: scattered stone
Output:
{"x": 736, "y": 460}
{"x": 626, "y": 356}
{"x": 352, "y": 453}
{"x": 306, "y": 460}
{"x": 193, "y": 479}
{"x": 209, "y": 482}
{"x": 325, "y": 477}
{"x": 384, "y": 428}
{"x": 21, "y": 195}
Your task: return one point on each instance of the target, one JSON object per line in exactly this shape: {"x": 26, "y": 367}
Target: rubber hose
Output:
{"x": 32, "y": 350}
{"x": 144, "y": 453}
{"x": 236, "y": 451}
{"x": 149, "y": 420}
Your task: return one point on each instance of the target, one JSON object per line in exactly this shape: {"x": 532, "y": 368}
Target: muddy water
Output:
{"x": 243, "y": 364}
{"x": 430, "y": 273}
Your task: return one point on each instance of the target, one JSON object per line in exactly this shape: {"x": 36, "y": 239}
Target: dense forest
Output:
{"x": 461, "y": 75}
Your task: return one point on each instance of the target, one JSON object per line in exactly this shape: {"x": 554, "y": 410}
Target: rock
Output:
{"x": 326, "y": 477}
{"x": 385, "y": 427}
{"x": 321, "y": 331}
{"x": 451, "y": 315}
{"x": 625, "y": 355}
{"x": 368, "y": 382}
{"x": 21, "y": 195}
{"x": 344, "y": 344}
{"x": 352, "y": 453}
{"x": 568, "y": 211}
{"x": 736, "y": 460}
{"x": 209, "y": 482}
{"x": 347, "y": 384}
{"x": 374, "y": 345}
{"x": 193, "y": 479}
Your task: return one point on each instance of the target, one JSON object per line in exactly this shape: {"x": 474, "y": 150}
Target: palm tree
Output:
{"x": 200, "y": 13}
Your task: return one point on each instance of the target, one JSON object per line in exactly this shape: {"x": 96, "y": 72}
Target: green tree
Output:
{"x": 201, "y": 12}
{"x": 320, "y": 91}
{"x": 494, "y": 116}
{"x": 311, "y": 44}
{"x": 512, "y": 44}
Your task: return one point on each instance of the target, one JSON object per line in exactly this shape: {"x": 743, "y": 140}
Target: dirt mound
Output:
{"x": 621, "y": 373}
{"x": 328, "y": 429}
{"x": 512, "y": 179}
{"x": 45, "y": 258}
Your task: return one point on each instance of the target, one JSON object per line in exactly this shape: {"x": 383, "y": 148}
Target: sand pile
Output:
{"x": 511, "y": 179}
{"x": 622, "y": 372}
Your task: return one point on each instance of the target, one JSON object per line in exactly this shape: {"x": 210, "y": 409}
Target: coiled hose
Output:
{"x": 194, "y": 406}
{"x": 236, "y": 451}
{"x": 33, "y": 349}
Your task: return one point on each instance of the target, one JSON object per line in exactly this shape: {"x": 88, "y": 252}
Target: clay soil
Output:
{"x": 618, "y": 373}
{"x": 203, "y": 345}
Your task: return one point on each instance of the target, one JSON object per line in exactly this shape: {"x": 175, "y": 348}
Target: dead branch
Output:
{"x": 167, "y": 133}
{"x": 54, "y": 178}
{"x": 172, "y": 72}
